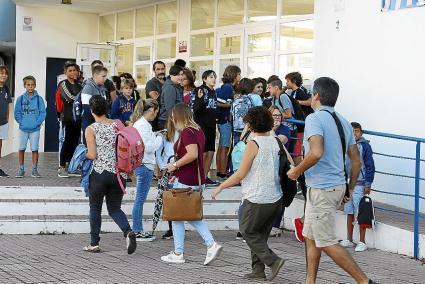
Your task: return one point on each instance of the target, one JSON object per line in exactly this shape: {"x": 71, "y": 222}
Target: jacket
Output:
{"x": 150, "y": 140}
{"x": 30, "y": 112}
{"x": 367, "y": 171}
{"x": 205, "y": 108}
{"x": 171, "y": 95}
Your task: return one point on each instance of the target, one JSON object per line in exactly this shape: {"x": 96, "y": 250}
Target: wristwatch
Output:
{"x": 175, "y": 165}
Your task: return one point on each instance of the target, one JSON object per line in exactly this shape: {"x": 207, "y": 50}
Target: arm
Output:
{"x": 58, "y": 99}
{"x": 369, "y": 164}
{"x": 199, "y": 104}
{"x": 113, "y": 95}
{"x": 91, "y": 143}
{"x": 306, "y": 102}
{"x": 42, "y": 112}
{"x": 312, "y": 157}
{"x": 18, "y": 110}
{"x": 151, "y": 141}
{"x": 170, "y": 97}
{"x": 153, "y": 95}
{"x": 224, "y": 105}
{"x": 190, "y": 156}
{"x": 287, "y": 113}
{"x": 353, "y": 154}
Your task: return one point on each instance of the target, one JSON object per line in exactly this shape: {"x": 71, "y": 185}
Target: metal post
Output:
{"x": 416, "y": 218}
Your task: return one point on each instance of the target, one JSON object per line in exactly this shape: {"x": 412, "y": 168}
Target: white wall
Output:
{"x": 55, "y": 33}
{"x": 378, "y": 59}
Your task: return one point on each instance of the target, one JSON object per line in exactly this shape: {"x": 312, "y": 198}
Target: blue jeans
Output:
{"x": 352, "y": 206}
{"x": 61, "y": 138}
{"x": 179, "y": 230}
{"x": 33, "y": 137}
{"x": 144, "y": 179}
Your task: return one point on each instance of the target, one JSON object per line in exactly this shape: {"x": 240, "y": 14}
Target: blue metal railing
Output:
{"x": 417, "y": 178}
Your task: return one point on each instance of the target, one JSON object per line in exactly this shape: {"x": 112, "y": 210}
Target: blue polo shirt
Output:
{"x": 329, "y": 170}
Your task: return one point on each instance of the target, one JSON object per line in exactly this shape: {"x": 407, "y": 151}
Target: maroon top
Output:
{"x": 188, "y": 174}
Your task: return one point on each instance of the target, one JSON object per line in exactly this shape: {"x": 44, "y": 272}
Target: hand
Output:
{"x": 215, "y": 192}
{"x": 200, "y": 93}
{"x": 170, "y": 168}
{"x": 293, "y": 173}
{"x": 367, "y": 190}
{"x": 128, "y": 123}
{"x": 171, "y": 179}
{"x": 346, "y": 199}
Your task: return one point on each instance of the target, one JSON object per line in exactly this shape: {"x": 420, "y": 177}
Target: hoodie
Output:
{"x": 30, "y": 112}
{"x": 367, "y": 170}
{"x": 171, "y": 95}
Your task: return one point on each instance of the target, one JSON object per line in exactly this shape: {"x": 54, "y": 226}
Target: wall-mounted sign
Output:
{"x": 392, "y": 5}
{"x": 27, "y": 27}
{"x": 182, "y": 46}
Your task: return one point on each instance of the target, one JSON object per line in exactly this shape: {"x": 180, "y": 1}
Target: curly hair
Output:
{"x": 295, "y": 77}
{"x": 98, "y": 105}
{"x": 230, "y": 74}
{"x": 259, "y": 119}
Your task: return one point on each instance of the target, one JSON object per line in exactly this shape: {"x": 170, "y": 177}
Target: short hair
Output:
{"x": 96, "y": 62}
{"x": 175, "y": 70}
{"x": 357, "y": 125}
{"x": 247, "y": 86}
{"x": 126, "y": 83}
{"x": 295, "y": 77}
{"x": 230, "y": 74}
{"x": 99, "y": 69}
{"x": 180, "y": 62}
{"x": 69, "y": 64}
{"x": 277, "y": 83}
{"x": 117, "y": 81}
{"x": 4, "y": 69}
{"x": 272, "y": 78}
{"x": 29, "y": 78}
{"x": 126, "y": 75}
{"x": 259, "y": 119}
{"x": 157, "y": 62}
{"x": 208, "y": 73}
{"x": 328, "y": 90}
{"x": 98, "y": 105}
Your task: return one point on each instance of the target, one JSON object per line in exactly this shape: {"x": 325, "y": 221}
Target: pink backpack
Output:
{"x": 129, "y": 150}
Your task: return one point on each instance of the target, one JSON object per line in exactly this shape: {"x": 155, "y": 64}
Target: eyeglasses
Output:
{"x": 277, "y": 115}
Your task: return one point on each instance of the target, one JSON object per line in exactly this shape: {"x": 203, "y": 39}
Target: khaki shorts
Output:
{"x": 321, "y": 206}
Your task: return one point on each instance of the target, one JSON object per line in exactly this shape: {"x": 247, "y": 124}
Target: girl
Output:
{"x": 144, "y": 112}
{"x": 188, "y": 84}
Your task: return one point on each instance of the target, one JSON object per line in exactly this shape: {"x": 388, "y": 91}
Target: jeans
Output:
{"x": 100, "y": 186}
{"x": 61, "y": 138}
{"x": 179, "y": 230}
{"x": 144, "y": 179}
{"x": 33, "y": 137}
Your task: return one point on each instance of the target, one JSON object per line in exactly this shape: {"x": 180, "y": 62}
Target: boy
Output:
{"x": 364, "y": 183}
{"x": 123, "y": 107}
{"x": 30, "y": 113}
{"x": 5, "y": 101}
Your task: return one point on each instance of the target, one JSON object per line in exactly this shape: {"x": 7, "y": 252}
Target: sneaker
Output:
{"x": 76, "y": 174}
{"x": 35, "y": 174}
{"x": 131, "y": 242}
{"x": 275, "y": 232}
{"x": 298, "y": 225}
{"x": 145, "y": 237}
{"x": 239, "y": 236}
{"x": 20, "y": 174}
{"x": 212, "y": 253}
{"x": 255, "y": 276}
{"x": 168, "y": 235}
{"x": 361, "y": 246}
{"x": 3, "y": 174}
{"x": 275, "y": 268}
{"x": 62, "y": 173}
{"x": 172, "y": 257}
{"x": 91, "y": 248}
{"x": 372, "y": 282}
{"x": 346, "y": 243}
{"x": 210, "y": 182}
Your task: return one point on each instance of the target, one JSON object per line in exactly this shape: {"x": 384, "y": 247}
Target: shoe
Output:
{"x": 253, "y": 276}
{"x": 76, "y": 174}
{"x": 3, "y": 174}
{"x": 35, "y": 174}
{"x": 298, "y": 225}
{"x": 20, "y": 174}
{"x": 209, "y": 182}
{"x": 131, "y": 242}
{"x": 346, "y": 243}
{"x": 172, "y": 257}
{"x": 168, "y": 235}
{"x": 372, "y": 282}
{"x": 212, "y": 253}
{"x": 91, "y": 248}
{"x": 360, "y": 247}
{"x": 62, "y": 173}
{"x": 275, "y": 267}
{"x": 275, "y": 232}
{"x": 145, "y": 237}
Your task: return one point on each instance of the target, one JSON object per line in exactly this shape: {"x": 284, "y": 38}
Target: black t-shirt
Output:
{"x": 153, "y": 85}
{"x": 205, "y": 108}
{"x": 300, "y": 95}
{"x": 5, "y": 100}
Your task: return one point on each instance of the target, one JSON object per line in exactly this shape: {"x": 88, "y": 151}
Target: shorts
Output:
{"x": 33, "y": 137}
{"x": 320, "y": 210}
{"x": 4, "y": 131}
{"x": 298, "y": 147}
{"x": 352, "y": 206}
{"x": 225, "y": 130}
{"x": 209, "y": 133}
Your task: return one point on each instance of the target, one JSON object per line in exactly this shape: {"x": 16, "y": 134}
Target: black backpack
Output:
{"x": 298, "y": 112}
{"x": 287, "y": 185}
{"x": 366, "y": 216}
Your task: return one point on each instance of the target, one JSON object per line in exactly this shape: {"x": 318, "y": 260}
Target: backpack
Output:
{"x": 129, "y": 150}
{"x": 288, "y": 186}
{"x": 366, "y": 215}
{"x": 77, "y": 159}
{"x": 76, "y": 108}
{"x": 298, "y": 112}
{"x": 238, "y": 151}
{"x": 267, "y": 102}
{"x": 240, "y": 108}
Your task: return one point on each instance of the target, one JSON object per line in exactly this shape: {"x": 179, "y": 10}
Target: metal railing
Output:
{"x": 417, "y": 197}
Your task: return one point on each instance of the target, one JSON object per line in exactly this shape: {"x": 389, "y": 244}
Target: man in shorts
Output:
{"x": 324, "y": 166}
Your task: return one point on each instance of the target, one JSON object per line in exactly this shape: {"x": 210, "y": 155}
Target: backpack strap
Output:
{"x": 283, "y": 150}
{"x": 118, "y": 127}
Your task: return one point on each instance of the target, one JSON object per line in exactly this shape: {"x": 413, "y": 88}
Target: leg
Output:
{"x": 114, "y": 197}
{"x": 21, "y": 157}
{"x": 208, "y": 157}
{"x": 350, "y": 227}
{"x": 362, "y": 234}
{"x": 96, "y": 194}
{"x": 144, "y": 179}
{"x": 202, "y": 229}
{"x": 220, "y": 170}
{"x": 34, "y": 144}
{"x": 313, "y": 260}
{"x": 34, "y": 157}
{"x": 179, "y": 234}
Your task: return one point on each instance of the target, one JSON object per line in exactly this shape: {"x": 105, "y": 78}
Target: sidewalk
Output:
{"x": 60, "y": 259}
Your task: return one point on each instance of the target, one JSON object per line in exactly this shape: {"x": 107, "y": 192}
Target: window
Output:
{"x": 229, "y": 61}
{"x": 262, "y": 10}
{"x": 296, "y": 37}
{"x": 260, "y": 42}
{"x": 200, "y": 67}
{"x": 259, "y": 66}
{"x": 202, "y": 45}
{"x": 143, "y": 73}
{"x": 230, "y": 45}
{"x": 230, "y": 12}
{"x": 202, "y": 14}
{"x": 143, "y": 53}
{"x": 166, "y": 48}
{"x": 297, "y": 7}
{"x": 166, "y": 18}
{"x": 145, "y": 21}
{"x": 125, "y": 59}
{"x": 107, "y": 28}
{"x": 125, "y": 25}
{"x": 302, "y": 63}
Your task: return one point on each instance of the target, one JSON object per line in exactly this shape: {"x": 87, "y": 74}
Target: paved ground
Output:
{"x": 60, "y": 259}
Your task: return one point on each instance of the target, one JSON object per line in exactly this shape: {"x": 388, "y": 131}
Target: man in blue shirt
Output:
{"x": 323, "y": 166}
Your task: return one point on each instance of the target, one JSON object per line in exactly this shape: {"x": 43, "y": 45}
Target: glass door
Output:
{"x": 229, "y": 49}
{"x": 143, "y": 62}
{"x": 87, "y": 53}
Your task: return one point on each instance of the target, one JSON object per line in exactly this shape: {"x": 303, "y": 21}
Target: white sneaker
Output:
{"x": 173, "y": 258}
{"x": 360, "y": 247}
{"x": 212, "y": 253}
{"x": 346, "y": 243}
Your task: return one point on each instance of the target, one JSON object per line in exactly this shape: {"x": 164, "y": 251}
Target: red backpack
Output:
{"x": 129, "y": 150}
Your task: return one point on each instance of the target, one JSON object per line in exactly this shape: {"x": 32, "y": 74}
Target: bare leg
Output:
{"x": 222, "y": 158}
{"x": 208, "y": 157}
{"x": 344, "y": 260}
{"x": 218, "y": 162}
{"x": 34, "y": 158}
{"x": 350, "y": 227}
{"x": 362, "y": 234}
{"x": 21, "y": 157}
{"x": 313, "y": 260}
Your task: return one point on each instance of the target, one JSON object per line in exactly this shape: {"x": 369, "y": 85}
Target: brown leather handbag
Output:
{"x": 183, "y": 204}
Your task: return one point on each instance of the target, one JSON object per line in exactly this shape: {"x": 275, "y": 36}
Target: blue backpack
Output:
{"x": 239, "y": 150}
{"x": 240, "y": 107}
{"x": 78, "y": 157}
